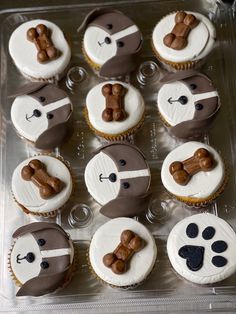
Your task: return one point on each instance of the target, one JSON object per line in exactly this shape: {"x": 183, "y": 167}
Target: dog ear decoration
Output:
{"x": 124, "y": 61}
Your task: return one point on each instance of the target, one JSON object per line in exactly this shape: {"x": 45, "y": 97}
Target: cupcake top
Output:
{"x": 191, "y": 36}
{"x": 114, "y": 107}
{"x": 41, "y": 184}
{"x": 111, "y": 41}
{"x": 108, "y": 237}
{"x": 40, "y": 258}
{"x": 202, "y": 248}
{"x": 31, "y": 60}
{"x": 40, "y": 113}
{"x": 188, "y": 103}
{"x": 118, "y": 177}
{"x": 199, "y": 177}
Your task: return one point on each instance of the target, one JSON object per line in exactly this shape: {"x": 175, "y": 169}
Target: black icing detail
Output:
{"x": 208, "y": 233}
{"x": 219, "y": 246}
{"x": 107, "y": 40}
{"x": 192, "y": 230}
{"x": 29, "y": 257}
{"x": 122, "y": 162}
{"x": 44, "y": 265}
{"x": 37, "y": 113}
{"x": 42, "y": 99}
{"x": 50, "y": 116}
{"x": 109, "y": 26}
{"x": 125, "y": 185}
{"x": 111, "y": 178}
{"x": 41, "y": 242}
{"x": 219, "y": 261}
{"x": 198, "y": 106}
{"x": 193, "y": 86}
{"x": 120, "y": 44}
{"x": 194, "y": 256}
{"x": 182, "y": 100}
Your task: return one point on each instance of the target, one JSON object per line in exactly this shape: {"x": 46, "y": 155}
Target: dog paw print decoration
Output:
{"x": 202, "y": 248}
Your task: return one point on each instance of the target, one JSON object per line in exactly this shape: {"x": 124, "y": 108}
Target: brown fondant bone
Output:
{"x": 177, "y": 39}
{"x": 114, "y": 102}
{"x": 129, "y": 244}
{"x": 40, "y": 36}
{"x": 202, "y": 160}
{"x": 35, "y": 171}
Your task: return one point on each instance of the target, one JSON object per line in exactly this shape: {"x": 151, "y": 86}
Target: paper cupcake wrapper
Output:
{"x": 54, "y": 212}
{"x": 114, "y": 137}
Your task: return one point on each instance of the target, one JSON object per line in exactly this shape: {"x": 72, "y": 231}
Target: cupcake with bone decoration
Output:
{"x": 187, "y": 103}
{"x": 111, "y": 42}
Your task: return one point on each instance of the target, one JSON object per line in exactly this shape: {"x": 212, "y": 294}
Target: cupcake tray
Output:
{"x": 163, "y": 290}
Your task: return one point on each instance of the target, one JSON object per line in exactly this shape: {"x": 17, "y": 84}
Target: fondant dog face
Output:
{"x": 118, "y": 177}
{"x": 189, "y": 100}
{"x": 112, "y": 39}
{"x": 41, "y": 251}
{"x": 39, "y": 112}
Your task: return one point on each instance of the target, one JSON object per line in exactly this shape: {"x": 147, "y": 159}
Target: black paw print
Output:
{"x": 194, "y": 255}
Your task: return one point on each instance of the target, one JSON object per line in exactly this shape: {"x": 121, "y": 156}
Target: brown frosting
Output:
{"x": 118, "y": 259}
{"x": 125, "y": 60}
{"x": 114, "y": 95}
{"x": 177, "y": 39}
{"x": 49, "y": 236}
{"x": 202, "y": 160}
{"x": 41, "y": 37}
{"x": 36, "y": 172}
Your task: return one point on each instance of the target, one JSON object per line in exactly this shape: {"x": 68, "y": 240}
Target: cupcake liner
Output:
{"x": 204, "y": 202}
{"x": 114, "y": 137}
{"x": 54, "y": 212}
{"x": 175, "y": 65}
{"x": 70, "y": 274}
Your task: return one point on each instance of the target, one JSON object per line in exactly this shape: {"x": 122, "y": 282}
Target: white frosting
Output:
{"x": 27, "y": 194}
{"x": 173, "y": 112}
{"x": 133, "y": 105}
{"x": 103, "y": 190}
{"x": 200, "y": 39}
{"x": 97, "y": 50}
{"x": 106, "y": 239}
{"x": 24, "y": 52}
{"x": 21, "y": 111}
{"x": 208, "y": 273}
{"x": 25, "y": 271}
{"x": 202, "y": 184}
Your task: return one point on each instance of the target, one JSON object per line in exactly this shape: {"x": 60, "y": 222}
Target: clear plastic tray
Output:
{"x": 163, "y": 290}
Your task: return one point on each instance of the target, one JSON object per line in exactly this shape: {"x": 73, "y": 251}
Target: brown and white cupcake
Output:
{"x": 114, "y": 110}
{"x": 40, "y": 51}
{"x": 42, "y": 259}
{"x": 41, "y": 185}
{"x": 182, "y": 39}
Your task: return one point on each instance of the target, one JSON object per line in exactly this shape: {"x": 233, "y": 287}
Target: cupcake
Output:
{"x": 41, "y": 185}
{"x": 122, "y": 253}
{"x": 40, "y": 50}
{"x": 194, "y": 173}
{"x": 118, "y": 177}
{"x": 114, "y": 110}
{"x": 41, "y": 114}
{"x": 202, "y": 249}
{"x": 41, "y": 259}
{"x": 111, "y": 42}
{"x": 183, "y": 39}
{"x": 187, "y": 103}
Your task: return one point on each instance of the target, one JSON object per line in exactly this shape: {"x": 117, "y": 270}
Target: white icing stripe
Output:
{"x": 133, "y": 174}
{"x": 56, "y": 104}
{"x": 55, "y": 253}
{"x": 205, "y": 96}
{"x": 125, "y": 32}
